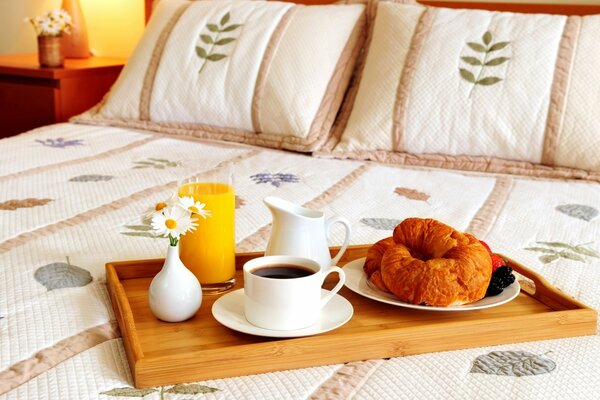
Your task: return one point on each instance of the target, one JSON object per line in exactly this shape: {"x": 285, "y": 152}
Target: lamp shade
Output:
{"x": 76, "y": 44}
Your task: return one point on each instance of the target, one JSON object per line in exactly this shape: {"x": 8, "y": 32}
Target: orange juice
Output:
{"x": 209, "y": 251}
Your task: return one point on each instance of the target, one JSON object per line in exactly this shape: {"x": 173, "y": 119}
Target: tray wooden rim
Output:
{"x": 569, "y": 317}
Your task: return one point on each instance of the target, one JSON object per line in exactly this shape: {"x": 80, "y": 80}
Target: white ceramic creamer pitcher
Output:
{"x": 302, "y": 232}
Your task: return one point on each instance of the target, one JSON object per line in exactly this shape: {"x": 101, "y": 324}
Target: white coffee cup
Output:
{"x": 286, "y": 303}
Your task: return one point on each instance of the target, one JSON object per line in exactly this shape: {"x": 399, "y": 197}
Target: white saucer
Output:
{"x": 357, "y": 281}
{"x": 229, "y": 311}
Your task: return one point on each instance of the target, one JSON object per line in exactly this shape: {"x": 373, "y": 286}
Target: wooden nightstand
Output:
{"x": 31, "y": 96}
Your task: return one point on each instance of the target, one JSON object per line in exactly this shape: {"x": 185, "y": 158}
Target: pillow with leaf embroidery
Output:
{"x": 265, "y": 73}
{"x": 476, "y": 90}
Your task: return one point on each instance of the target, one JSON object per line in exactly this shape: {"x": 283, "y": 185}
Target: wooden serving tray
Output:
{"x": 162, "y": 353}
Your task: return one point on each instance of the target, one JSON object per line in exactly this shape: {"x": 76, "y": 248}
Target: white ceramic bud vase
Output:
{"x": 175, "y": 293}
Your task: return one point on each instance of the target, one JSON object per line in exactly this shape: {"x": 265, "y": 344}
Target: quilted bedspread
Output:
{"x": 71, "y": 197}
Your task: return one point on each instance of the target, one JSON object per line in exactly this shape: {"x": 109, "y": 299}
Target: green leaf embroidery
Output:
{"x": 557, "y": 250}
{"x": 471, "y": 60}
{"x": 467, "y": 75}
{"x": 548, "y": 258}
{"x": 155, "y": 163}
{"x": 192, "y": 389}
{"x": 512, "y": 363}
{"x": 499, "y": 46}
{"x": 128, "y": 392}
{"x": 496, "y": 61}
{"x": 61, "y": 275}
{"x": 216, "y": 57}
{"x": 224, "y": 41}
{"x": 201, "y": 52}
{"x": 487, "y": 38}
{"x": 206, "y": 54}
{"x": 225, "y": 19}
{"x": 143, "y": 228}
{"x": 477, "y": 47}
{"x": 485, "y": 47}
{"x": 231, "y": 28}
{"x": 490, "y": 80}
{"x": 571, "y": 256}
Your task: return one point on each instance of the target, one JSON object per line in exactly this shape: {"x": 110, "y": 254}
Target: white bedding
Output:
{"x": 89, "y": 219}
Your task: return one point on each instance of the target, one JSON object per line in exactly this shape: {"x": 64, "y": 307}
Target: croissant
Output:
{"x": 372, "y": 264}
{"x": 431, "y": 263}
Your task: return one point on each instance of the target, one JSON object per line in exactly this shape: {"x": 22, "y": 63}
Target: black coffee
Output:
{"x": 283, "y": 271}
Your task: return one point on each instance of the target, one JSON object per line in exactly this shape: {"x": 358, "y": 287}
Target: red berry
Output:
{"x": 497, "y": 262}
{"x": 486, "y": 246}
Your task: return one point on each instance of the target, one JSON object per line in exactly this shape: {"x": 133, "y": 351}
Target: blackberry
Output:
{"x": 501, "y": 278}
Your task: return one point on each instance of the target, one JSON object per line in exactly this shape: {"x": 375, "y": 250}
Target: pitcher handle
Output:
{"x": 325, "y": 299}
{"x": 346, "y": 223}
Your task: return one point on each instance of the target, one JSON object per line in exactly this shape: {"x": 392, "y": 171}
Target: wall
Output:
{"x": 114, "y": 26}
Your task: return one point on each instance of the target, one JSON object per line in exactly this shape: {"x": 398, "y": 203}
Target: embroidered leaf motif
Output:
{"x": 487, "y": 38}
{"x": 239, "y": 202}
{"x": 557, "y": 250}
{"x": 467, "y": 75}
{"x": 383, "y": 224}
{"x": 225, "y": 19}
{"x": 140, "y": 231}
{"x": 128, "y": 392}
{"x": 142, "y": 234}
{"x": 274, "y": 179}
{"x": 471, "y": 61}
{"x": 60, "y": 143}
{"x": 488, "y": 81}
{"x": 485, "y": 48}
{"x": 216, "y": 57}
{"x": 512, "y": 363}
{"x": 499, "y": 46}
{"x": 206, "y": 54}
{"x": 477, "y": 47}
{"x": 580, "y": 211}
{"x": 91, "y": 178}
{"x": 12, "y": 205}
{"x": 157, "y": 163}
{"x": 193, "y": 388}
{"x": 411, "y": 194}
{"x": 548, "y": 258}
{"x": 62, "y": 275}
{"x": 496, "y": 61}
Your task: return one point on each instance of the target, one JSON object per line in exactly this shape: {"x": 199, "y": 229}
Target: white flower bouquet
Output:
{"x": 54, "y": 23}
{"x": 175, "y": 217}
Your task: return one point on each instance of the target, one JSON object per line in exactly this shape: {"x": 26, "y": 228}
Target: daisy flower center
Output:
{"x": 171, "y": 223}
{"x": 160, "y": 206}
{"x": 193, "y": 209}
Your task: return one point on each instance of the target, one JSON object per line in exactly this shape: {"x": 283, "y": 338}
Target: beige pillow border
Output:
{"x": 321, "y": 124}
{"x": 466, "y": 163}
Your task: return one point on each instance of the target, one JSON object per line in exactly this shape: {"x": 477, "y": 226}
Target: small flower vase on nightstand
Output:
{"x": 175, "y": 293}
{"x": 50, "y": 52}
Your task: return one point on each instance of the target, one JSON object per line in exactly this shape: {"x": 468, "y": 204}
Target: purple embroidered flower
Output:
{"x": 274, "y": 179}
{"x": 60, "y": 142}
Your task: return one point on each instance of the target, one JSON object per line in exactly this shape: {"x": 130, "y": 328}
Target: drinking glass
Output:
{"x": 209, "y": 251}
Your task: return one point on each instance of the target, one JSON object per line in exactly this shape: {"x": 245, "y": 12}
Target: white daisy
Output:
{"x": 173, "y": 222}
{"x": 149, "y": 213}
{"x": 61, "y": 16}
{"x": 49, "y": 28}
{"x": 195, "y": 207}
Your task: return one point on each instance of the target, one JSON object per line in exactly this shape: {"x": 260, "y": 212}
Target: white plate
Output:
{"x": 229, "y": 311}
{"x": 356, "y": 280}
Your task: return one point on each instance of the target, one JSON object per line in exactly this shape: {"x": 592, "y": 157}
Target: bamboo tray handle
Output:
{"x": 542, "y": 290}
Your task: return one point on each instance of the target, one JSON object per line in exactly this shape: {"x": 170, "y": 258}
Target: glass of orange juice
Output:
{"x": 209, "y": 251}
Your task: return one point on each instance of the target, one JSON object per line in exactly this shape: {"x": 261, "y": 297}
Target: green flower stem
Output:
{"x": 480, "y": 72}
{"x": 210, "y": 50}
{"x": 173, "y": 240}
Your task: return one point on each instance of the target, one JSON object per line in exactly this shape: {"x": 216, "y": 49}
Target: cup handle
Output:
{"x": 325, "y": 299}
{"x": 346, "y": 223}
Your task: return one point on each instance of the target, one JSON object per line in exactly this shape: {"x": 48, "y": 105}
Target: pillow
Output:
{"x": 476, "y": 90}
{"x": 258, "y": 72}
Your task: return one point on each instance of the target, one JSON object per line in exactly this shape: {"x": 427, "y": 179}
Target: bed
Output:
{"x": 71, "y": 196}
